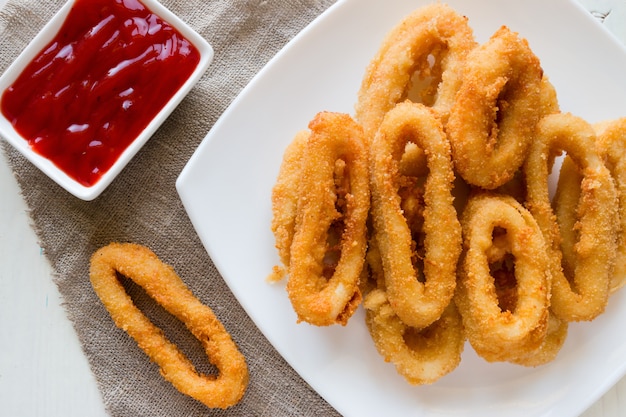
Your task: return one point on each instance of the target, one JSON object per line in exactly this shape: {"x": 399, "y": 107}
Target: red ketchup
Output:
{"x": 91, "y": 91}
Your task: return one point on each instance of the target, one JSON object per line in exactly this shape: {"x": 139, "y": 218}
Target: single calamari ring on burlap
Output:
{"x": 330, "y": 236}
{"x": 418, "y": 295}
{"x": 499, "y": 103}
{"x": 164, "y": 286}
{"x": 587, "y": 208}
{"x": 430, "y": 44}
{"x": 494, "y": 227}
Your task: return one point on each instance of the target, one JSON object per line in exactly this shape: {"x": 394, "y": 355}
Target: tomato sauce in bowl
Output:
{"x": 97, "y": 84}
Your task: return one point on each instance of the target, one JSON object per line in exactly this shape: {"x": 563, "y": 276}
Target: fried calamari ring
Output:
{"x": 163, "y": 285}
{"x": 417, "y": 303}
{"x": 499, "y": 103}
{"x": 503, "y": 325}
{"x": 421, "y": 356}
{"x": 556, "y": 332}
{"x": 431, "y": 42}
{"x": 328, "y": 249}
{"x": 611, "y": 142}
{"x": 285, "y": 200}
{"x": 581, "y": 291}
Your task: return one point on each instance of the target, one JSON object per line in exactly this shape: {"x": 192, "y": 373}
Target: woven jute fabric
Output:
{"x": 142, "y": 206}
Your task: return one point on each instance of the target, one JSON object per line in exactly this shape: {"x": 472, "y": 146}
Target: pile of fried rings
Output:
{"x": 431, "y": 207}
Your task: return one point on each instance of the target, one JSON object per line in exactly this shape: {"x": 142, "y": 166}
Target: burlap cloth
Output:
{"x": 142, "y": 206}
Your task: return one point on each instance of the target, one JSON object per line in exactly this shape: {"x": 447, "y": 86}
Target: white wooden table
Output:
{"x": 43, "y": 371}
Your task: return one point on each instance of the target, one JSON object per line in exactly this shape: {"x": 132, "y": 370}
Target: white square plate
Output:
{"x": 226, "y": 190}
{"x": 48, "y": 32}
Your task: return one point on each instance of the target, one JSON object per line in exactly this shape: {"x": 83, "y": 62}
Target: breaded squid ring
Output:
{"x": 557, "y": 329}
{"x": 581, "y": 291}
{"x": 162, "y": 284}
{"x": 492, "y": 121}
{"x": 434, "y": 31}
{"x": 334, "y": 197}
{"x": 611, "y": 140}
{"x": 421, "y": 356}
{"x": 285, "y": 199}
{"x": 418, "y": 304}
{"x": 495, "y": 332}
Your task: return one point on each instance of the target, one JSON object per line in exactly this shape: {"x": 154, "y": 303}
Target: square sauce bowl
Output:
{"x": 94, "y": 85}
